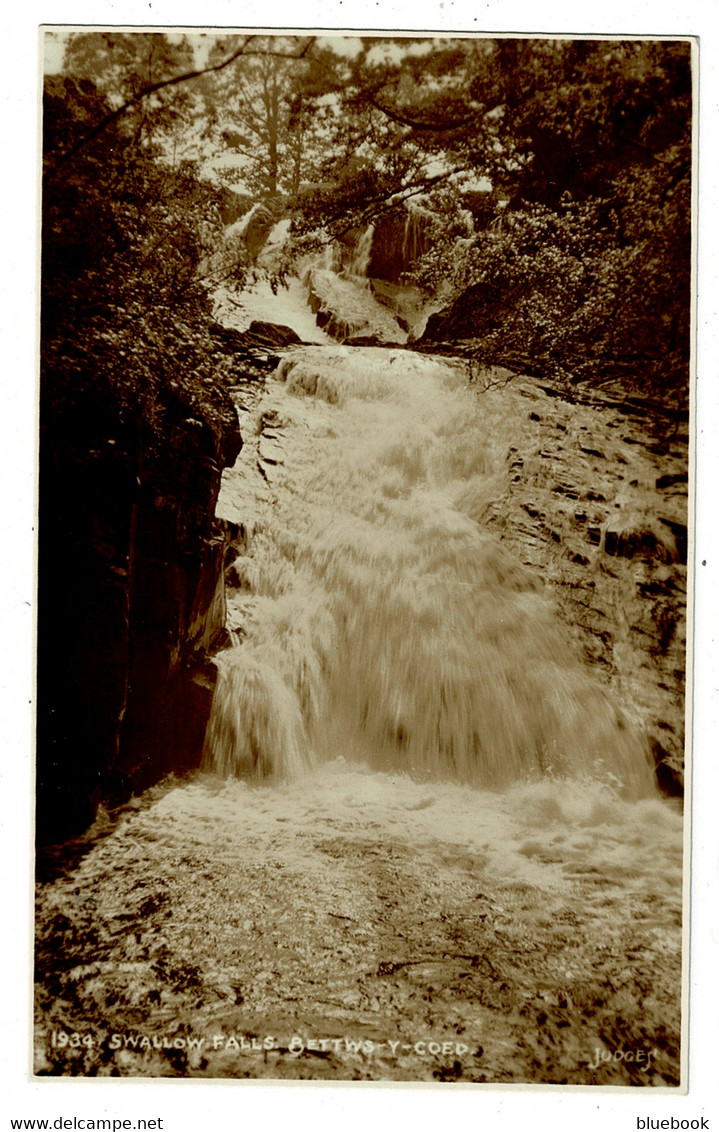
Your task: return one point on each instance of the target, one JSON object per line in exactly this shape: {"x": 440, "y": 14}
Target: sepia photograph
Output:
{"x": 366, "y": 408}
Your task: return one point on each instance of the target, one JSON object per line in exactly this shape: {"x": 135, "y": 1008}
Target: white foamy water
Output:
{"x": 287, "y": 306}
{"x": 380, "y": 620}
{"x": 549, "y": 834}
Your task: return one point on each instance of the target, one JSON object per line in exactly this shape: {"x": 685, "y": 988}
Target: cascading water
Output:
{"x": 380, "y": 619}
{"x": 360, "y": 258}
{"x": 342, "y": 296}
{"x": 413, "y": 244}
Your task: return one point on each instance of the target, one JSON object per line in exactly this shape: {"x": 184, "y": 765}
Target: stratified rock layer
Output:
{"x": 596, "y": 501}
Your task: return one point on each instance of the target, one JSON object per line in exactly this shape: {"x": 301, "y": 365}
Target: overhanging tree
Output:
{"x": 587, "y": 145}
{"x": 586, "y": 271}
{"x": 583, "y": 269}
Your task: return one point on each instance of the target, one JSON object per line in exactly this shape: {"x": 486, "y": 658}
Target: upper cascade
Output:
{"x": 359, "y": 261}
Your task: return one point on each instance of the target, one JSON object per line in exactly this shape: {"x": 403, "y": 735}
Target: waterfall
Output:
{"x": 381, "y": 619}
{"x": 360, "y": 258}
{"x": 413, "y": 242}
{"x": 331, "y": 257}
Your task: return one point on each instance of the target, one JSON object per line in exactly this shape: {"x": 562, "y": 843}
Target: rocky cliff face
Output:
{"x": 399, "y": 239}
{"x": 131, "y": 600}
{"x": 595, "y": 499}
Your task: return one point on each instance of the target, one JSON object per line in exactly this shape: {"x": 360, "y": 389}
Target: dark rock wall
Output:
{"x": 479, "y": 309}
{"x": 399, "y": 239}
{"x": 130, "y": 603}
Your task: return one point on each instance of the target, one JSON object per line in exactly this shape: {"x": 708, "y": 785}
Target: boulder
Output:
{"x": 251, "y": 347}
{"x": 259, "y": 225}
{"x": 363, "y": 340}
{"x": 271, "y": 334}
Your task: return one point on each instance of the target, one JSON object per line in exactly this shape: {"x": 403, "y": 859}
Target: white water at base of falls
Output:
{"x": 379, "y": 619}
{"x": 286, "y": 307}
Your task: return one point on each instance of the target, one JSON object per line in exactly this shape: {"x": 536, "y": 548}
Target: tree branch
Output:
{"x": 153, "y": 88}
{"x": 435, "y": 127}
{"x": 396, "y": 197}
{"x": 647, "y": 149}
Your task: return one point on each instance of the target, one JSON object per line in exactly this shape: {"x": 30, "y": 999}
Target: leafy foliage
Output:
{"x": 558, "y": 290}
{"x": 124, "y": 314}
{"x": 584, "y": 268}
{"x": 555, "y": 176}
